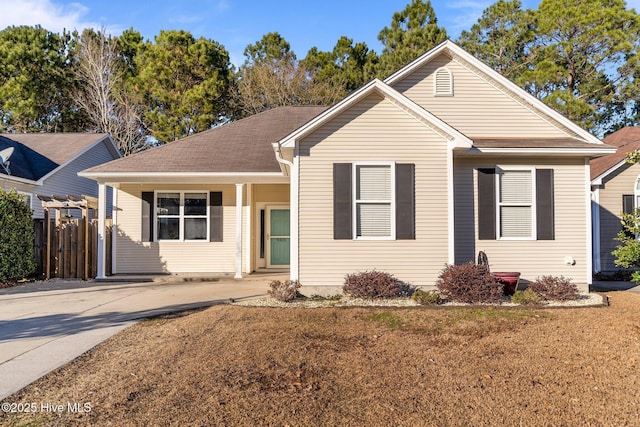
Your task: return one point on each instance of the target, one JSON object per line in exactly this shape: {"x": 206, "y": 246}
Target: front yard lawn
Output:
{"x": 231, "y": 365}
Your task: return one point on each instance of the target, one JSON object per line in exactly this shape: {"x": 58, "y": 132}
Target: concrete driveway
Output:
{"x": 44, "y": 325}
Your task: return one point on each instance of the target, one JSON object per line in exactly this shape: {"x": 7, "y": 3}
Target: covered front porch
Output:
{"x": 186, "y": 226}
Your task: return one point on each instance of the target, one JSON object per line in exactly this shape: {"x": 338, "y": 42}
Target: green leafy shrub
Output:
{"x": 284, "y": 291}
{"x": 469, "y": 283}
{"x": 555, "y": 288}
{"x": 526, "y": 297}
{"x": 627, "y": 253}
{"x": 16, "y": 237}
{"x": 375, "y": 284}
{"x": 425, "y": 297}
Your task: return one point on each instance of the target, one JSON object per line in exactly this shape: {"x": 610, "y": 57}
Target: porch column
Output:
{"x": 238, "y": 231}
{"x": 102, "y": 216}
{"x": 114, "y": 228}
{"x": 294, "y": 273}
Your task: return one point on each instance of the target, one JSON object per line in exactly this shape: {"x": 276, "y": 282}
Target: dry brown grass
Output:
{"x": 376, "y": 366}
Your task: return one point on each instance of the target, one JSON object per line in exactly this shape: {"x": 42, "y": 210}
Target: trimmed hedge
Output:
{"x": 16, "y": 237}
{"x": 375, "y": 284}
{"x": 469, "y": 283}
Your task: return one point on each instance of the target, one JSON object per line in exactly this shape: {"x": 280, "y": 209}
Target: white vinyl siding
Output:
{"x": 373, "y": 201}
{"x": 135, "y": 256}
{"x": 375, "y": 130}
{"x": 516, "y": 214}
{"x": 479, "y": 107}
{"x": 532, "y": 258}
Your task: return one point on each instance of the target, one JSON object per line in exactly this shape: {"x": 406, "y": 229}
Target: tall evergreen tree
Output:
{"x": 502, "y": 38}
{"x": 272, "y": 47}
{"x": 348, "y": 65}
{"x": 36, "y": 81}
{"x": 185, "y": 83}
{"x": 582, "y": 58}
{"x": 413, "y": 31}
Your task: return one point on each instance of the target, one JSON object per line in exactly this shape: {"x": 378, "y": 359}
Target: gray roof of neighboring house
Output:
{"x": 240, "y": 146}
{"x": 626, "y": 139}
{"x": 37, "y": 154}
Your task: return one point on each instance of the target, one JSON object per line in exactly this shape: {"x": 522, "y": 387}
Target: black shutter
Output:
{"x": 405, "y": 202}
{"x": 545, "y": 221}
{"x": 148, "y": 205}
{"x": 487, "y": 204}
{"x": 215, "y": 216}
{"x": 627, "y": 203}
{"x": 342, "y": 202}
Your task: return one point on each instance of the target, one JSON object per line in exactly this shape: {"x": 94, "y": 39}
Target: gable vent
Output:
{"x": 443, "y": 84}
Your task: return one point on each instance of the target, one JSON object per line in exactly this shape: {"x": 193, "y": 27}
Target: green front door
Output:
{"x": 278, "y": 237}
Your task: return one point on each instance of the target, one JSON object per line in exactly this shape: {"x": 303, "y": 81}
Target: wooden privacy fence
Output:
{"x": 73, "y": 248}
{"x": 67, "y": 247}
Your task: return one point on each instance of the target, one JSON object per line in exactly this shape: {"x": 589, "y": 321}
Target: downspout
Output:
{"x": 281, "y": 160}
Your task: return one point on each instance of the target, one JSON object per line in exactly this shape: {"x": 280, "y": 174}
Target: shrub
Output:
{"x": 375, "y": 284}
{"x": 16, "y": 238}
{"x": 284, "y": 291}
{"x": 469, "y": 283}
{"x": 526, "y": 297}
{"x": 425, "y": 297}
{"x": 555, "y": 288}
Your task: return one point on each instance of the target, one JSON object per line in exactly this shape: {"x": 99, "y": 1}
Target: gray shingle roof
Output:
{"x": 241, "y": 146}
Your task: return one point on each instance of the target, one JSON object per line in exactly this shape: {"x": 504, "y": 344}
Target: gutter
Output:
{"x": 280, "y": 159}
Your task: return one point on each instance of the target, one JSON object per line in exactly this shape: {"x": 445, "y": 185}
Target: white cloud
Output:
{"x": 50, "y": 15}
{"x": 465, "y": 13}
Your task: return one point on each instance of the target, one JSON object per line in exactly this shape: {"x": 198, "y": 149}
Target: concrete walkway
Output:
{"x": 44, "y": 325}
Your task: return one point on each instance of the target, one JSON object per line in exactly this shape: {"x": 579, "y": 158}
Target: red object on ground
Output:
{"x": 509, "y": 280}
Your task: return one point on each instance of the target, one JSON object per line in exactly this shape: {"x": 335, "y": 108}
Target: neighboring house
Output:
{"x": 48, "y": 164}
{"x": 441, "y": 160}
{"x": 615, "y": 186}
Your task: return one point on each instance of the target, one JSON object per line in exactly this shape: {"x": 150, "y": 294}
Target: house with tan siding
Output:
{"x": 615, "y": 186}
{"x": 443, "y": 159}
{"x": 48, "y": 164}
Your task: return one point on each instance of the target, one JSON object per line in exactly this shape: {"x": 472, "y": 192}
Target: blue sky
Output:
{"x": 235, "y": 24}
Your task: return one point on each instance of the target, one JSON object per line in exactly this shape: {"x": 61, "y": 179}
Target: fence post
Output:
{"x": 47, "y": 224}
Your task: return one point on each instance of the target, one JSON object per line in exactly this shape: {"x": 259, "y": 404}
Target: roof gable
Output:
{"x": 455, "y": 138}
{"x": 39, "y": 155}
{"x": 540, "y": 114}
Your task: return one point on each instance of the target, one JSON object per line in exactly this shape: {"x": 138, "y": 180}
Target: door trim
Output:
{"x": 267, "y": 245}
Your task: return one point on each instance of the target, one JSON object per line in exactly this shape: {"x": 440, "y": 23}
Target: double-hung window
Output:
{"x": 374, "y": 215}
{"x": 516, "y": 210}
{"x": 182, "y": 216}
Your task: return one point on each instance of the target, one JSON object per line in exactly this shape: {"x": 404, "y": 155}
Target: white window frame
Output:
{"x": 181, "y": 216}
{"x": 500, "y": 170}
{"x": 356, "y": 202}
{"x": 636, "y": 193}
